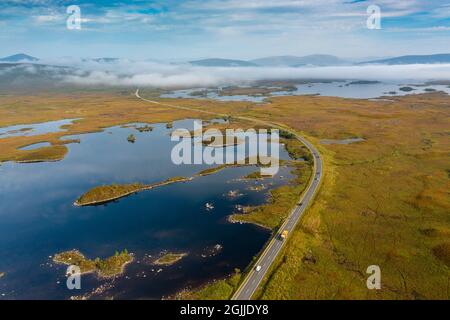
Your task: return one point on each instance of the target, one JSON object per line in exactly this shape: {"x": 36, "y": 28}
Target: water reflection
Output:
{"x": 39, "y": 220}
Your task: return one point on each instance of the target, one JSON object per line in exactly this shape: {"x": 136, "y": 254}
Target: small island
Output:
{"x": 213, "y": 170}
{"x": 406, "y": 89}
{"x": 104, "y": 194}
{"x": 145, "y": 128}
{"x": 2, "y": 274}
{"x": 362, "y": 82}
{"x": 169, "y": 259}
{"x": 254, "y": 175}
{"x": 105, "y": 268}
{"x": 45, "y": 154}
{"x": 131, "y": 138}
{"x": 222, "y": 142}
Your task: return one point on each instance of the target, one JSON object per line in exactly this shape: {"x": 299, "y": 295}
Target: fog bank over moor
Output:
{"x": 171, "y": 76}
{"x": 123, "y": 72}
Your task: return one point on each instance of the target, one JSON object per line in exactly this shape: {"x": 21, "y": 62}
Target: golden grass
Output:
{"x": 442, "y": 252}
{"x": 96, "y": 111}
{"x": 383, "y": 201}
{"x": 376, "y": 199}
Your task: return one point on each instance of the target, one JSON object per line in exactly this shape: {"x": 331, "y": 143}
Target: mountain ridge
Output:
{"x": 413, "y": 59}
{"x": 294, "y": 61}
{"x": 19, "y": 57}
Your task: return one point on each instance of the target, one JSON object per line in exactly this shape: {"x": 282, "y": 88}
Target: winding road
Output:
{"x": 254, "y": 278}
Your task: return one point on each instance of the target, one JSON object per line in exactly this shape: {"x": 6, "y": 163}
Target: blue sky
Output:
{"x": 245, "y": 29}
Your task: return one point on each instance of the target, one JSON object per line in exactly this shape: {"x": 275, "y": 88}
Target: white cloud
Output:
{"x": 48, "y": 18}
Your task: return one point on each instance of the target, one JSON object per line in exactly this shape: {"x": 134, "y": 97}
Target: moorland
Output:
{"x": 383, "y": 200}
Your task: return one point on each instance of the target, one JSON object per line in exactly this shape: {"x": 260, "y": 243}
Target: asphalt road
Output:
{"x": 273, "y": 249}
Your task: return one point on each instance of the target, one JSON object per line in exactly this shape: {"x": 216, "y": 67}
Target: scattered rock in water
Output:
{"x": 257, "y": 187}
{"x": 233, "y": 194}
{"x": 131, "y": 138}
{"x": 243, "y": 209}
{"x": 212, "y": 251}
{"x": 96, "y": 292}
{"x": 209, "y": 206}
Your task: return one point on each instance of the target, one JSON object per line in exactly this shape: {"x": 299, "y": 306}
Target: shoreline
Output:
{"x": 231, "y": 219}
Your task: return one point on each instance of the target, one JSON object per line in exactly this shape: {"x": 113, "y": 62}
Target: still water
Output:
{"x": 34, "y": 129}
{"x": 342, "y": 89}
{"x": 38, "y": 219}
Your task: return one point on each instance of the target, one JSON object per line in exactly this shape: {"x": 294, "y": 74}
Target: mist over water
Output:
{"x": 124, "y": 72}
{"x": 173, "y": 76}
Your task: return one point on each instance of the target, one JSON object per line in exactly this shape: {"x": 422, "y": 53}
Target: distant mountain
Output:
{"x": 222, "y": 63}
{"x": 294, "y": 61}
{"x": 417, "y": 59}
{"x": 31, "y": 76}
{"x": 20, "y": 57}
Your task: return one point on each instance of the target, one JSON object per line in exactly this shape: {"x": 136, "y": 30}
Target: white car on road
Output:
{"x": 258, "y": 268}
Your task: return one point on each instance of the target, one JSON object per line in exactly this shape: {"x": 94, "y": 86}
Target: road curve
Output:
{"x": 273, "y": 249}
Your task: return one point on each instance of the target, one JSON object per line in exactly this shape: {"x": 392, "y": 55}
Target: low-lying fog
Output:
{"x": 165, "y": 75}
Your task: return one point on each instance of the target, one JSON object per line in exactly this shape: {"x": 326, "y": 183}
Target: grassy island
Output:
{"x": 108, "y": 193}
{"x": 169, "y": 259}
{"x": 145, "y": 128}
{"x": 213, "y": 170}
{"x": 44, "y": 154}
{"x": 254, "y": 175}
{"x": 227, "y": 141}
{"x": 109, "y": 267}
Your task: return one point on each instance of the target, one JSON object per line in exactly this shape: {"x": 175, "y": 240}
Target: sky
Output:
{"x": 172, "y": 30}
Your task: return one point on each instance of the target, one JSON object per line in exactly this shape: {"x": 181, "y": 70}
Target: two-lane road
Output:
{"x": 273, "y": 249}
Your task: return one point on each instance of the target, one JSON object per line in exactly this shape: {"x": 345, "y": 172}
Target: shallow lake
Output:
{"x": 38, "y": 218}
{"x": 343, "y": 89}
{"x": 34, "y": 129}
